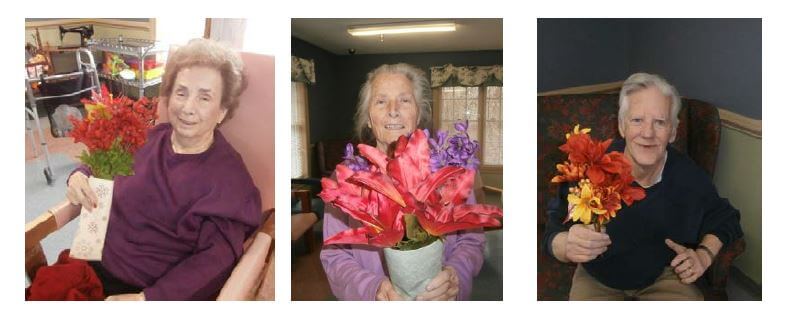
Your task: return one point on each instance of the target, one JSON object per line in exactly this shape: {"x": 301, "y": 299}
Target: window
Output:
{"x": 299, "y": 130}
{"x": 482, "y": 106}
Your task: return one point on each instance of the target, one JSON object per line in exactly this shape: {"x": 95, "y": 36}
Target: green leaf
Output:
{"x": 416, "y": 237}
{"x": 107, "y": 164}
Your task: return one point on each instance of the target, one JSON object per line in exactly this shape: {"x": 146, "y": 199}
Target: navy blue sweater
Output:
{"x": 684, "y": 207}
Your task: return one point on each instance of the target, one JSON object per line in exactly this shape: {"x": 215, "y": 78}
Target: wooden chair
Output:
{"x": 253, "y": 278}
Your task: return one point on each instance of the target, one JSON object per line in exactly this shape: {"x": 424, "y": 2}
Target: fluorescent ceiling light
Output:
{"x": 396, "y": 28}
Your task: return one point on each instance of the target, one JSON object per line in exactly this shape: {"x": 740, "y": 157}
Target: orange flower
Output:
{"x": 604, "y": 178}
{"x": 569, "y": 172}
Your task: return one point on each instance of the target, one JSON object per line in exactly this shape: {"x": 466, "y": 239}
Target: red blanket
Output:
{"x": 67, "y": 279}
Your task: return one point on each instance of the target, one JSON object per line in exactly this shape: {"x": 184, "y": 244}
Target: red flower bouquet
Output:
{"x": 113, "y": 130}
{"x": 400, "y": 201}
{"x": 603, "y": 179}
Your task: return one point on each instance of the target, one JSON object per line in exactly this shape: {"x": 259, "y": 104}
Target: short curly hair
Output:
{"x": 422, "y": 96}
{"x": 211, "y": 54}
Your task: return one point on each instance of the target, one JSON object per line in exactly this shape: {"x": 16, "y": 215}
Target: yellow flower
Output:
{"x": 577, "y": 130}
{"x": 97, "y": 110}
{"x": 583, "y": 203}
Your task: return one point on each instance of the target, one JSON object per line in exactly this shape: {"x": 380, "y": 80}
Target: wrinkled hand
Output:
{"x": 584, "y": 244}
{"x": 80, "y": 193}
{"x": 442, "y": 287}
{"x": 387, "y": 292}
{"x": 688, "y": 264}
{"x": 127, "y": 297}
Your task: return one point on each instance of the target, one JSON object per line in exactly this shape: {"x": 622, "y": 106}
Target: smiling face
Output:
{"x": 648, "y": 128}
{"x": 393, "y": 109}
{"x": 194, "y": 106}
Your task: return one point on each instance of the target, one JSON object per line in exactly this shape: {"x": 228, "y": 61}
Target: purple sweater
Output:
{"x": 177, "y": 226}
{"x": 356, "y": 271}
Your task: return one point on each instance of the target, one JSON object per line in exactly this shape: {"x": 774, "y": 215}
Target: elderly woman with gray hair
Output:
{"x": 395, "y": 100}
{"x": 657, "y": 249}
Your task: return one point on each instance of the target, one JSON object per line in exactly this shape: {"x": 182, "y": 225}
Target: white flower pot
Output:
{"x": 89, "y": 241}
{"x": 411, "y": 271}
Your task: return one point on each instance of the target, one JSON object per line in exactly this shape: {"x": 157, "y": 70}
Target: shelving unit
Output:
{"x": 137, "y": 48}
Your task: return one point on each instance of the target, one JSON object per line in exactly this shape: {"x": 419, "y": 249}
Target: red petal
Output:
{"x": 387, "y": 238}
{"x": 374, "y": 156}
{"x": 596, "y": 175}
{"x": 457, "y": 190}
{"x": 358, "y": 236}
{"x": 378, "y": 183}
{"x": 437, "y": 179}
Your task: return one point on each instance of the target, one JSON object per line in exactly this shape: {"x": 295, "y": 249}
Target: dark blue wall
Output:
{"x": 575, "y": 52}
{"x": 715, "y": 60}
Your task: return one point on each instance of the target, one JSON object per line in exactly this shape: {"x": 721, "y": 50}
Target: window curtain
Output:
{"x": 230, "y": 31}
{"x": 303, "y": 75}
{"x": 300, "y": 140}
{"x": 466, "y": 76}
{"x": 303, "y": 70}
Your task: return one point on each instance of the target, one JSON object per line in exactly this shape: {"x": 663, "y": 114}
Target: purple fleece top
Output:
{"x": 177, "y": 226}
{"x": 356, "y": 271}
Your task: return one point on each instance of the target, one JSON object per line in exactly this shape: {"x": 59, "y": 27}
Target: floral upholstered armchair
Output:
{"x": 698, "y": 136}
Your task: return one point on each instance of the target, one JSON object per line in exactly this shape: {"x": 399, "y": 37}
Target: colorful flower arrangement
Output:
{"x": 603, "y": 180}
{"x": 412, "y": 198}
{"x": 114, "y": 129}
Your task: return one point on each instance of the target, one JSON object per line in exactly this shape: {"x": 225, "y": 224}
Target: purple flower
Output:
{"x": 459, "y": 150}
{"x": 356, "y": 163}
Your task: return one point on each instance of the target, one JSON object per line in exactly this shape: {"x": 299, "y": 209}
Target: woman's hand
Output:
{"x": 387, "y": 292}
{"x": 80, "y": 193}
{"x": 127, "y": 297}
{"x": 583, "y": 244}
{"x": 688, "y": 264}
{"x": 442, "y": 287}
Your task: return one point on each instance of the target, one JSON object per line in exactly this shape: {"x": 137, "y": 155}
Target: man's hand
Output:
{"x": 688, "y": 264}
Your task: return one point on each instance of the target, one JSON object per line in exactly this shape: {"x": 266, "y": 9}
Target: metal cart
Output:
{"x": 137, "y": 48}
{"x": 84, "y": 68}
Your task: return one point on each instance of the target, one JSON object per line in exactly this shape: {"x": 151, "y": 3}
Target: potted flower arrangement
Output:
{"x": 114, "y": 129}
{"x": 602, "y": 180}
{"x": 408, "y": 201}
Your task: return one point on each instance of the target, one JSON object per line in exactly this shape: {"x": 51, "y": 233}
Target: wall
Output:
{"x": 738, "y": 178}
{"x": 333, "y": 99}
{"x": 718, "y": 61}
{"x": 574, "y": 52}
{"x": 704, "y": 58}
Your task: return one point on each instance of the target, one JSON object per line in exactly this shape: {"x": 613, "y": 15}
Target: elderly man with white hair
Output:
{"x": 657, "y": 249}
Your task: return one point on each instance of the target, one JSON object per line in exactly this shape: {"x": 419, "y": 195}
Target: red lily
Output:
{"x": 382, "y": 219}
{"x": 405, "y": 185}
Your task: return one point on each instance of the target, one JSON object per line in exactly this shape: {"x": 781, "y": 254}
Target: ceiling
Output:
{"x": 330, "y": 34}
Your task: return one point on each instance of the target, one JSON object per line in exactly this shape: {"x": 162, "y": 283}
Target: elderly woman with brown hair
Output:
{"x": 395, "y": 100}
{"x": 177, "y": 226}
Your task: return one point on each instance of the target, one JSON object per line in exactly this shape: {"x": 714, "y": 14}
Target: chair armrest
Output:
{"x": 49, "y": 222}
{"x": 267, "y": 289}
{"x": 301, "y": 223}
{"x": 40, "y": 227}
{"x": 248, "y": 274}
{"x": 492, "y": 189}
{"x": 720, "y": 269}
